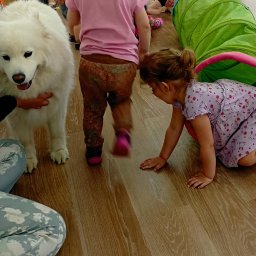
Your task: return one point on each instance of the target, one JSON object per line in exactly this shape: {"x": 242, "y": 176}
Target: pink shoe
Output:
{"x": 93, "y": 155}
{"x": 96, "y": 160}
{"x": 155, "y": 22}
{"x": 122, "y": 144}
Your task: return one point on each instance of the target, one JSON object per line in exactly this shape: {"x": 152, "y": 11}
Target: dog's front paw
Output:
{"x": 31, "y": 164}
{"x": 60, "y": 156}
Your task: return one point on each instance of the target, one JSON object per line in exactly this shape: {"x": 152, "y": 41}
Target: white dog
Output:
{"x": 35, "y": 57}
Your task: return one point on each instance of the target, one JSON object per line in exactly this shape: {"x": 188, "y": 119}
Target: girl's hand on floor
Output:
{"x": 199, "y": 181}
{"x": 155, "y": 163}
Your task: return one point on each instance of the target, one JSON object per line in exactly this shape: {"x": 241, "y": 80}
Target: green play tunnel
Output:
{"x": 223, "y": 35}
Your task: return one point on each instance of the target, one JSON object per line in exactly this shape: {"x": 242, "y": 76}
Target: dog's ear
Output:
{"x": 4, "y": 28}
{"x": 43, "y": 30}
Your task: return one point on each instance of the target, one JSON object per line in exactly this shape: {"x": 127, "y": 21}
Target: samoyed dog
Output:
{"x": 36, "y": 57}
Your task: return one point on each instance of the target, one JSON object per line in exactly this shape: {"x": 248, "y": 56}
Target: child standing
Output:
{"x": 110, "y": 53}
{"x": 222, "y": 114}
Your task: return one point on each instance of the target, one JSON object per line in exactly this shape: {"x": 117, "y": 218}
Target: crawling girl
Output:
{"x": 222, "y": 114}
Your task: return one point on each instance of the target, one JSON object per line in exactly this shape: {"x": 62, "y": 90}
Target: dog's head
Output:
{"x": 21, "y": 50}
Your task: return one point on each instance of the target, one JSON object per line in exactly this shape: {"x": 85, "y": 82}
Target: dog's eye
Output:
{"x": 27, "y": 54}
{"x": 6, "y": 57}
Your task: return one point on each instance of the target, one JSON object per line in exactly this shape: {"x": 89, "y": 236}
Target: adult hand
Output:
{"x": 155, "y": 163}
{"x": 199, "y": 180}
{"x": 36, "y": 103}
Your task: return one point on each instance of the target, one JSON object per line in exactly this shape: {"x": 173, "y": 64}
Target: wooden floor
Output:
{"x": 117, "y": 209}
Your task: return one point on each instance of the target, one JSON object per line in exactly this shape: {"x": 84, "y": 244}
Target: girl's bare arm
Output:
{"x": 172, "y": 136}
{"x": 144, "y": 32}
{"x": 173, "y": 133}
{"x": 202, "y": 128}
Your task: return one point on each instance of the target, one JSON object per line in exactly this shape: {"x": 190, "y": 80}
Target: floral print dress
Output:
{"x": 231, "y": 108}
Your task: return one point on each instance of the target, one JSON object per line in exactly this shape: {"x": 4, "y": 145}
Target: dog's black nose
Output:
{"x": 19, "y": 78}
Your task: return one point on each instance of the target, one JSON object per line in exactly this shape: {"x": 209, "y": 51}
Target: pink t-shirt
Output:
{"x": 107, "y": 27}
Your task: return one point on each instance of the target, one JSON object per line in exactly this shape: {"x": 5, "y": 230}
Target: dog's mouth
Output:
{"x": 24, "y": 86}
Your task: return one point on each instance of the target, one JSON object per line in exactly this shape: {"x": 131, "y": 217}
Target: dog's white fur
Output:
{"x": 34, "y": 42}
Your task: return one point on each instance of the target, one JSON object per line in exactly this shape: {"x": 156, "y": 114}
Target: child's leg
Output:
{"x": 29, "y": 228}
{"x": 240, "y": 147}
{"x": 154, "y": 5}
{"x": 93, "y": 86}
{"x": 245, "y": 139}
{"x": 119, "y": 100}
{"x": 169, "y": 5}
{"x": 248, "y": 160}
{"x": 44, "y": 1}
{"x": 12, "y": 163}
{"x": 64, "y": 10}
{"x": 122, "y": 115}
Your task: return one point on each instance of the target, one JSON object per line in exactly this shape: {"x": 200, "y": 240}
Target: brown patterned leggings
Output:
{"x": 104, "y": 79}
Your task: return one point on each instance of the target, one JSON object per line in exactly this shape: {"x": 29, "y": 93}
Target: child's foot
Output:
{"x": 122, "y": 144}
{"x": 72, "y": 38}
{"x": 77, "y": 45}
{"x": 93, "y": 155}
{"x": 52, "y": 4}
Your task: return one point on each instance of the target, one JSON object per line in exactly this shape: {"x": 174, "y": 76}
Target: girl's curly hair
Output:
{"x": 168, "y": 64}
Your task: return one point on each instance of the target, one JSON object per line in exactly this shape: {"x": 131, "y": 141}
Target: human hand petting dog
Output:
{"x": 36, "y": 103}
